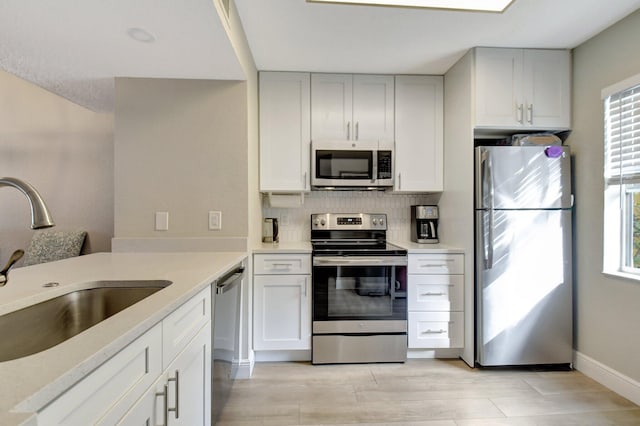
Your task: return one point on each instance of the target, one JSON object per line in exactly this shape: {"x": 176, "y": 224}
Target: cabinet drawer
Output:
{"x": 112, "y": 387}
{"x": 436, "y": 329}
{"x": 281, "y": 264}
{"x": 179, "y": 327}
{"x": 435, "y": 292}
{"x": 436, "y": 264}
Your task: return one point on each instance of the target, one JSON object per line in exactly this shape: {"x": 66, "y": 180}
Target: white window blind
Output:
{"x": 622, "y": 136}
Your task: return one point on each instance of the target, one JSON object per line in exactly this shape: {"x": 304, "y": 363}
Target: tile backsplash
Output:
{"x": 295, "y": 222}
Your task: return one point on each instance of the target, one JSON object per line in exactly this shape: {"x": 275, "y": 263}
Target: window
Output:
{"x": 622, "y": 178}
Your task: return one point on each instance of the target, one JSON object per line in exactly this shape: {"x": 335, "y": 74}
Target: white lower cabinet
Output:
{"x": 182, "y": 395}
{"x": 282, "y": 302}
{"x": 174, "y": 357}
{"x": 435, "y": 300}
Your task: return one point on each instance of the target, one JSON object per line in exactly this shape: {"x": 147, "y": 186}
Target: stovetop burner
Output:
{"x": 351, "y": 234}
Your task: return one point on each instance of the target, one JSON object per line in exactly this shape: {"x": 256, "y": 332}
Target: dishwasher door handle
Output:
{"x": 230, "y": 282}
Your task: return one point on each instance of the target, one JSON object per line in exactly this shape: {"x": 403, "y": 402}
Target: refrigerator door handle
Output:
{"x": 489, "y": 244}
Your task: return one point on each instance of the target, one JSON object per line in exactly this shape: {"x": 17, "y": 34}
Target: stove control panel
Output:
{"x": 349, "y": 221}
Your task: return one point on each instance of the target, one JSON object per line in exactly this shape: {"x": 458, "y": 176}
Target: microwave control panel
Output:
{"x": 384, "y": 165}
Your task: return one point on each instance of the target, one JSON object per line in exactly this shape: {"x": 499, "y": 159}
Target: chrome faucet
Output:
{"x": 40, "y": 217}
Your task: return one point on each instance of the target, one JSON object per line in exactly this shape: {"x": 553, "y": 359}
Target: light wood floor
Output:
{"x": 421, "y": 393}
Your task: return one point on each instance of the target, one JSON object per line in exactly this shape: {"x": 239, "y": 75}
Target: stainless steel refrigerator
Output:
{"x": 523, "y": 205}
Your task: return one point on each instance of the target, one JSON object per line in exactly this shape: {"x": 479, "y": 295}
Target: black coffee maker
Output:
{"x": 424, "y": 224}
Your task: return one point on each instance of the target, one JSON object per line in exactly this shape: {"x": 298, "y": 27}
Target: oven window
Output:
{"x": 344, "y": 164}
{"x": 357, "y": 292}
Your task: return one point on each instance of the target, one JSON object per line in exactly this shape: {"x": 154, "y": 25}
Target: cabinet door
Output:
{"x": 282, "y": 312}
{"x": 179, "y": 327}
{"x": 547, "y": 89}
{"x": 498, "y": 88}
{"x": 104, "y": 395}
{"x": 187, "y": 383}
{"x": 419, "y": 133}
{"x": 285, "y": 131}
{"x": 331, "y": 106}
{"x": 373, "y": 106}
{"x": 189, "y": 379}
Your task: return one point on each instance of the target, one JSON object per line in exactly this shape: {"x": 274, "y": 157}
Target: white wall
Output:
{"x": 608, "y": 308}
{"x": 66, "y": 152}
{"x": 180, "y": 147}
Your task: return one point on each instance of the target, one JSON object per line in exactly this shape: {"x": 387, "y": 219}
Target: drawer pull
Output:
{"x": 282, "y": 265}
{"x": 433, "y": 294}
{"x": 441, "y": 331}
{"x": 175, "y": 409}
{"x": 434, "y": 265}
{"x": 165, "y": 399}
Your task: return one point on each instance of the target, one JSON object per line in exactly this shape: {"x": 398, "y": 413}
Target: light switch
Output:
{"x": 215, "y": 220}
{"x": 162, "y": 221}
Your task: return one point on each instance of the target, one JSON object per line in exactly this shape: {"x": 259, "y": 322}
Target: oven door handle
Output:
{"x": 360, "y": 261}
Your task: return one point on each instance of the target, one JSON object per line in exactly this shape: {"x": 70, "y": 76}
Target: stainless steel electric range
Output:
{"x": 359, "y": 290}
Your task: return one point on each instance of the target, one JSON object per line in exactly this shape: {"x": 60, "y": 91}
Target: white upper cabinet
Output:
{"x": 352, "y": 107}
{"x": 522, "y": 89}
{"x": 285, "y": 132}
{"x": 419, "y": 133}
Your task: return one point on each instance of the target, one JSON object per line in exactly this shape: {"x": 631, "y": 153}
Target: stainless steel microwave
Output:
{"x": 351, "y": 164}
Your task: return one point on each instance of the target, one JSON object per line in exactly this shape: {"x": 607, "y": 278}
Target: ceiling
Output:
{"x": 290, "y": 35}
{"x": 76, "y": 48}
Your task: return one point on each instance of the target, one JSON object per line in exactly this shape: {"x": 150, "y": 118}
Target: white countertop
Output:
{"x": 305, "y": 247}
{"x": 427, "y": 248}
{"x": 284, "y": 247}
{"x": 31, "y": 382}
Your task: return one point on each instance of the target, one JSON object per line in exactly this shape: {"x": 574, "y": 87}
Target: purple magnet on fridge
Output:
{"x": 553, "y": 151}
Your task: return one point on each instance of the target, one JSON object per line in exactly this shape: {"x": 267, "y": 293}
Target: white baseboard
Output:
{"x": 607, "y": 376}
{"x": 245, "y": 369}
{"x": 433, "y": 353}
{"x": 279, "y": 356}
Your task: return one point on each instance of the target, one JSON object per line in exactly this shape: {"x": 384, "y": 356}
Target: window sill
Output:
{"x": 625, "y": 275}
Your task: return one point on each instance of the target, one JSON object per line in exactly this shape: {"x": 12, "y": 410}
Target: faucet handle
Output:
{"x": 15, "y": 256}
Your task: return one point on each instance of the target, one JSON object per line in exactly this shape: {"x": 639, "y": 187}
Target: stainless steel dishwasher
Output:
{"x": 226, "y": 337}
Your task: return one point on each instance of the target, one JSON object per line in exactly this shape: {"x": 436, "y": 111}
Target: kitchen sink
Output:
{"x": 41, "y": 326}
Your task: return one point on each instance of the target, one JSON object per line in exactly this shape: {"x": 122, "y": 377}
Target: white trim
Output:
{"x": 282, "y": 355}
{"x": 607, "y": 376}
{"x": 620, "y": 86}
{"x": 434, "y": 353}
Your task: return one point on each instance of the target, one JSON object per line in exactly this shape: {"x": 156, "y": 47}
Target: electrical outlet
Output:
{"x": 162, "y": 221}
{"x": 215, "y": 220}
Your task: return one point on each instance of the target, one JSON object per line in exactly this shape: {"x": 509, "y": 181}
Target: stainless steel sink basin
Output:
{"x": 44, "y": 325}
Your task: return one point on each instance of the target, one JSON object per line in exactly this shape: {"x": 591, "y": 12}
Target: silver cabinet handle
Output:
{"x": 348, "y": 130}
{"x": 282, "y": 265}
{"x": 433, "y": 294}
{"x": 530, "y": 113}
{"x": 175, "y": 409}
{"x": 357, "y": 129}
{"x": 441, "y": 331}
{"x": 165, "y": 400}
{"x": 520, "y": 113}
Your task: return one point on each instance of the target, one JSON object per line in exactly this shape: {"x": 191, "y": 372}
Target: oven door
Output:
{"x": 348, "y": 288}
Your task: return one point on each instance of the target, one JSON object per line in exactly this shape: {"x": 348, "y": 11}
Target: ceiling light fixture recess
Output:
{"x": 140, "y": 34}
{"x": 475, "y": 5}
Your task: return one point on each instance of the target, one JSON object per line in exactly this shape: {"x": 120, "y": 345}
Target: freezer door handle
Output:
{"x": 488, "y": 176}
